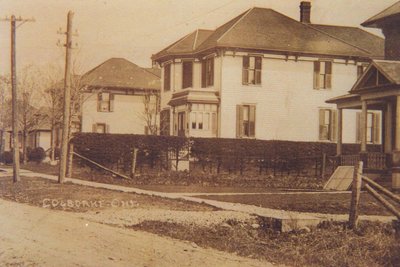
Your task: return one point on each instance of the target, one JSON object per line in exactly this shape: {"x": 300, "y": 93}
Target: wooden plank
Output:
{"x": 381, "y": 189}
{"x": 383, "y": 201}
{"x": 341, "y": 179}
{"x": 100, "y": 166}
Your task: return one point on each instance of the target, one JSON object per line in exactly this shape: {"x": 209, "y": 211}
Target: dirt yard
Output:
{"x": 319, "y": 202}
{"x": 46, "y": 193}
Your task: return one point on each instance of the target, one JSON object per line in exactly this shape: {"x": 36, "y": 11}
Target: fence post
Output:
{"x": 134, "y": 157}
{"x": 355, "y": 195}
{"x": 70, "y": 159}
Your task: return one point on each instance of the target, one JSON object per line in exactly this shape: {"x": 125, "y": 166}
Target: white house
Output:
{"x": 264, "y": 75}
{"x": 120, "y": 97}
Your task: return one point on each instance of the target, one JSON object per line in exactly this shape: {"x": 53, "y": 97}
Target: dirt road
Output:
{"x": 31, "y": 236}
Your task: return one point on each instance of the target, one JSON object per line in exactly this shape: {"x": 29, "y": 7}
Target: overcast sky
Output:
{"x": 136, "y": 29}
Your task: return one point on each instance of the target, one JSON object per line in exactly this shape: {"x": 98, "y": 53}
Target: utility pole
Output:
{"x": 15, "y": 130}
{"x": 67, "y": 99}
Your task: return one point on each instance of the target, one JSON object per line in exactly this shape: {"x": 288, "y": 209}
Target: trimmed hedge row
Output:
{"x": 116, "y": 149}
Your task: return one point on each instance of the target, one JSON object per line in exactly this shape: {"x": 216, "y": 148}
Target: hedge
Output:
{"x": 115, "y": 150}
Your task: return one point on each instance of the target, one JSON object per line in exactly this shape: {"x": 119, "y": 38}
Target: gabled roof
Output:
{"x": 388, "y": 73}
{"x": 121, "y": 73}
{"x": 268, "y": 30}
{"x": 389, "y": 12}
{"x": 391, "y": 69}
{"x": 356, "y": 37}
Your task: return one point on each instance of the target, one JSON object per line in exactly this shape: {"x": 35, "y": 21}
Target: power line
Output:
{"x": 189, "y": 20}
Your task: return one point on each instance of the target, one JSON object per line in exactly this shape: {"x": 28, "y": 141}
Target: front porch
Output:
{"x": 377, "y": 90}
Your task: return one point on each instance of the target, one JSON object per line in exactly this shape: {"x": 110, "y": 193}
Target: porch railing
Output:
{"x": 371, "y": 160}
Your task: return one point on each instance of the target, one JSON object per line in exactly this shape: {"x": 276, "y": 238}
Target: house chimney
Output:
{"x": 305, "y": 12}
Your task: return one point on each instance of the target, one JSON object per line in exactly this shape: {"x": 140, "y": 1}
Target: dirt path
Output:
{"x": 31, "y": 236}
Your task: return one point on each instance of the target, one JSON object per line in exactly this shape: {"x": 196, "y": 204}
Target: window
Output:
{"x": 167, "y": 77}
{"x": 322, "y": 74}
{"x": 187, "y": 74}
{"x": 181, "y": 123}
{"x": 373, "y": 127}
{"x": 252, "y": 70}
{"x": 204, "y": 117}
{"x": 246, "y": 121}
{"x": 207, "y": 72}
{"x": 100, "y": 128}
{"x": 327, "y": 125}
{"x": 105, "y": 102}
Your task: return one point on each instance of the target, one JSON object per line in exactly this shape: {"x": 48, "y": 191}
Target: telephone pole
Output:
{"x": 15, "y": 130}
{"x": 67, "y": 99}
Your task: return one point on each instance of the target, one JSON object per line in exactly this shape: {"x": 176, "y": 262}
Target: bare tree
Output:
{"x": 4, "y": 95}
{"x": 151, "y": 112}
{"x": 29, "y": 102}
{"x": 52, "y": 94}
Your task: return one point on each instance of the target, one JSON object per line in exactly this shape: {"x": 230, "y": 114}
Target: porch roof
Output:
{"x": 343, "y": 98}
{"x": 194, "y": 96}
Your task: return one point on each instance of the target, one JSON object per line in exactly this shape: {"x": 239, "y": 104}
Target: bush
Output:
{"x": 37, "y": 154}
{"x": 209, "y": 154}
{"x": 7, "y": 157}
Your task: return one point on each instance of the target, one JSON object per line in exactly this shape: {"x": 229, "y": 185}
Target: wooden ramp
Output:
{"x": 341, "y": 179}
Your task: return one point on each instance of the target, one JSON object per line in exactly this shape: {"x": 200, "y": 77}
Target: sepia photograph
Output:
{"x": 199, "y": 133}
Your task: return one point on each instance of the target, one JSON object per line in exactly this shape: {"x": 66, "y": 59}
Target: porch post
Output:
{"x": 363, "y": 130}
{"x": 396, "y": 152}
{"x": 388, "y": 128}
{"x": 340, "y": 131}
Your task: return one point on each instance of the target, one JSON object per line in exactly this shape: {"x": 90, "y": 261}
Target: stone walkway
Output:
{"x": 286, "y": 220}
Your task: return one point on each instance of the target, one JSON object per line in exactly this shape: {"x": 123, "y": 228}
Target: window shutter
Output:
{"x": 111, "y": 102}
{"x": 245, "y": 76}
{"x": 94, "y": 128}
{"x": 239, "y": 121}
{"x": 334, "y": 125}
{"x": 203, "y": 74}
{"x": 252, "y": 121}
{"x": 328, "y": 75}
{"x": 321, "y": 124}
{"x": 360, "y": 71}
{"x": 358, "y": 128}
{"x": 211, "y": 74}
{"x": 377, "y": 128}
{"x": 245, "y": 62}
{"x": 316, "y": 74}
{"x": 258, "y": 63}
{"x": 99, "y": 99}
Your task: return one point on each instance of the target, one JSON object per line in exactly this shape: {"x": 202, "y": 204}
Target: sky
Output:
{"x": 136, "y": 29}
